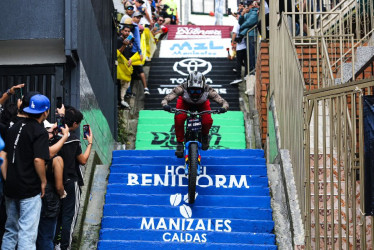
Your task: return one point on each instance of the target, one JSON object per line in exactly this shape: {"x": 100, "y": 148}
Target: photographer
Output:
{"x": 10, "y": 92}
{"x": 54, "y": 190}
{"x": 73, "y": 157}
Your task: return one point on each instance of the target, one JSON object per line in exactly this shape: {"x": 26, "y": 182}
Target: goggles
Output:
{"x": 195, "y": 91}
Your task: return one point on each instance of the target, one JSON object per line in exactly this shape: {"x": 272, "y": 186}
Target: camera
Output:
{"x": 229, "y": 11}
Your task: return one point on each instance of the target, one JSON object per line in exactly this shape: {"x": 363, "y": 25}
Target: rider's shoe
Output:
{"x": 180, "y": 149}
{"x": 205, "y": 142}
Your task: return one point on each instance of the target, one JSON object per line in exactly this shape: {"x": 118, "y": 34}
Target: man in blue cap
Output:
{"x": 26, "y": 150}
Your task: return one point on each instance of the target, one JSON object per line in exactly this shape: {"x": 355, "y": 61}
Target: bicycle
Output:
{"x": 192, "y": 148}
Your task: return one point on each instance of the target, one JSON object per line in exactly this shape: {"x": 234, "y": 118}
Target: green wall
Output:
{"x": 103, "y": 139}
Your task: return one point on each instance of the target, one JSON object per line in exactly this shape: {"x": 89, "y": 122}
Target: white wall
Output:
{"x": 209, "y": 20}
{"x": 30, "y": 52}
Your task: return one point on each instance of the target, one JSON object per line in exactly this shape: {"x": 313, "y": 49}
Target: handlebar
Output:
{"x": 174, "y": 110}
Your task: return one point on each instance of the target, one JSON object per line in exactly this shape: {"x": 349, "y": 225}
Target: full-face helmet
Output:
{"x": 195, "y": 85}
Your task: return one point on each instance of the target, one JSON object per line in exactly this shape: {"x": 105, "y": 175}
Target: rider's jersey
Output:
{"x": 209, "y": 94}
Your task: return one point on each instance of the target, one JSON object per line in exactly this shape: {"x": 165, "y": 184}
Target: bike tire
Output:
{"x": 192, "y": 174}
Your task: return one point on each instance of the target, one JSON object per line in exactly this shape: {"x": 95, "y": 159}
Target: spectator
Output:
{"x": 153, "y": 6}
{"x": 54, "y": 190}
{"x": 10, "y": 92}
{"x": 241, "y": 54}
{"x": 125, "y": 45}
{"x": 21, "y": 104}
{"x": 145, "y": 9}
{"x": 240, "y": 8}
{"x": 169, "y": 12}
{"x": 247, "y": 21}
{"x": 24, "y": 172}
{"x": 72, "y": 156}
{"x": 9, "y": 111}
{"x": 157, "y": 29}
{"x": 138, "y": 69}
{"x": 232, "y": 55}
{"x": 129, "y": 12}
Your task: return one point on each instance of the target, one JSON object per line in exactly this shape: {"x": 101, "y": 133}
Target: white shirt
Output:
{"x": 144, "y": 19}
{"x": 242, "y": 45}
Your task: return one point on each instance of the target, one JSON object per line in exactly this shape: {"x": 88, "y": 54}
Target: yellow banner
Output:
{"x": 124, "y": 71}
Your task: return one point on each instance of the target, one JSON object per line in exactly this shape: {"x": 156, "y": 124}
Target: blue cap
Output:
{"x": 38, "y": 104}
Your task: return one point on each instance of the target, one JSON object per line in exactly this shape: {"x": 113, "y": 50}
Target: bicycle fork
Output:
{"x": 186, "y": 159}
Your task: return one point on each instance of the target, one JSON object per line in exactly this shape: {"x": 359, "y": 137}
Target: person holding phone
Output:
{"x": 125, "y": 45}
{"x": 9, "y": 92}
{"x": 24, "y": 173}
{"x": 73, "y": 157}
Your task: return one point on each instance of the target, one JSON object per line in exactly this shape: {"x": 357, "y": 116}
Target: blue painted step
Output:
{"x": 254, "y": 226}
{"x": 179, "y": 169}
{"x": 123, "y": 188}
{"x": 251, "y": 180}
{"x": 213, "y": 152}
{"x": 217, "y": 237}
{"x": 136, "y": 245}
{"x": 197, "y": 211}
{"x": 207, "y": 200}
{"x": 147, "y": 208}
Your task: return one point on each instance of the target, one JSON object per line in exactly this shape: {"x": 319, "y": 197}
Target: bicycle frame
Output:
{"x": 193, "y": 135}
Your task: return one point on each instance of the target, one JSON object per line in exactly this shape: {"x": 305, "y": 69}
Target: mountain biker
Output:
{"x": 194, "y": 95}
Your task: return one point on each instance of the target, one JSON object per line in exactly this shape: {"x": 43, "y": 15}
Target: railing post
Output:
{"x": 263, "y": 20}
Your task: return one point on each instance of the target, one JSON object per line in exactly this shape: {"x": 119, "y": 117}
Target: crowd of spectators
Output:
{"x": 141, "y": 16}
{"x": 40, "y": 172}
{"x": 243, "y": 39}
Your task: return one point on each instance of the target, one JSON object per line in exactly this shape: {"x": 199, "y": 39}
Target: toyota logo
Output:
{"x": 186, "y": 66}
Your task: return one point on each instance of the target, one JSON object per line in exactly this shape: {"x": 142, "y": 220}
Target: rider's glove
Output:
{"x": 222, "y": 110}
{"x": 166, "y": 108}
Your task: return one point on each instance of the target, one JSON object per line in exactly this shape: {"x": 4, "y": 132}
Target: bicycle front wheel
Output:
{"x": 192, "y": 174}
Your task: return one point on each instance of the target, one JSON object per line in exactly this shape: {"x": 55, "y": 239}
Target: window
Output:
{"x": 206, "y": 6}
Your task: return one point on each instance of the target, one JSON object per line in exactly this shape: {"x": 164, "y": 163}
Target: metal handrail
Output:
{"x": 327, "y": 58}
{"x": 355, "y": 45}
{"x": 341, "y": 11}
{"x": 256, "y": 49}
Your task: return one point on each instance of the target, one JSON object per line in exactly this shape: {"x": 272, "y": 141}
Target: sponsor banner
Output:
{"x": 194, "y": 48}
{"x": 178, "y": 72}
{"x": 186, "y": 32}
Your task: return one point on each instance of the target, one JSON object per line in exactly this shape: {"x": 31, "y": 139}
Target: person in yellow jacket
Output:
{"x": 169, "y": 11}
{"x": 124, "y": 45}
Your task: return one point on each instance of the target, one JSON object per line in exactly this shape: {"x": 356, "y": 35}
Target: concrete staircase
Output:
{"x": 364, "y": 56}
{"x": 167, "y": 73}
{"x": 146, "y": 207}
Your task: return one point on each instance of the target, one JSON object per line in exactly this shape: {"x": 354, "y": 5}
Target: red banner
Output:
{"x": 185, "y": 32}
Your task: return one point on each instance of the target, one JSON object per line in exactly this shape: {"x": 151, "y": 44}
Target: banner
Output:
{"x": 368, "y": 113}
{"x": 123, "y": 70}
{"x": 194, "y": 48}
{"x": 186, "y": 32}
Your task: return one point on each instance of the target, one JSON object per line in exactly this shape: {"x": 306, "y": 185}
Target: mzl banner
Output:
{"x": 194, "y": 48}
{"x": 184, "y": 32}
